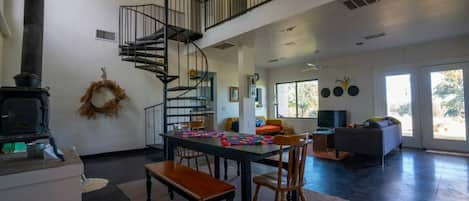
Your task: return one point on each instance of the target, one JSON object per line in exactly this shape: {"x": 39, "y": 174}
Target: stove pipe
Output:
{"x": 31, "y": 58}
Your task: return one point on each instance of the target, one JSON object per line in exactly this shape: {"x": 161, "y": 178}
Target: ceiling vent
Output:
{"x": 374, "y": 36}
{"x": 223, "y": 46}
{"x": 354, "y": 4}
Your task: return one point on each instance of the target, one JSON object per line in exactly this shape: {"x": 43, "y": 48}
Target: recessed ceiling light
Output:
{"x": 276, "y": 59}
{"x": 373, "y": 36}
{"x": 310, "y": 64}
{"x": 273, "y": 60}
{"x": 289, "y": 43}
{"x": 288, "y": 29}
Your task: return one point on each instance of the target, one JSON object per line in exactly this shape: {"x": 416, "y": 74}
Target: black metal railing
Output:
{"x": 154, "y": 124}
{"x": 219, "y": 11}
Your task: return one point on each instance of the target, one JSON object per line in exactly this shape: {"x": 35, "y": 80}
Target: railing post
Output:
{"x": 205, "y": 16}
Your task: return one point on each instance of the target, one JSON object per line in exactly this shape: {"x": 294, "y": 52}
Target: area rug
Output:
{"x": 136, "y": 191}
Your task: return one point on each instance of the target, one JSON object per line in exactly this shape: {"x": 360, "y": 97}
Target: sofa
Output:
{"x": 270, "y": 126}
{"x": 369, "y": 141}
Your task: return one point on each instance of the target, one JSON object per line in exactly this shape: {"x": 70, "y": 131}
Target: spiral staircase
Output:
{"x": 160, "y": 40}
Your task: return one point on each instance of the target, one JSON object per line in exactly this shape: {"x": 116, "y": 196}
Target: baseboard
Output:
{"x": 114, "y": 153}
{"x": 447, "y": 153}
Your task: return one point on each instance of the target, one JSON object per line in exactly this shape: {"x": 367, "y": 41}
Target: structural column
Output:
{"x": 247, "y": 109}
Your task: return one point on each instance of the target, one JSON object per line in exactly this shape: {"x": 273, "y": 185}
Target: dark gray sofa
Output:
{"x": 369, "y": 141}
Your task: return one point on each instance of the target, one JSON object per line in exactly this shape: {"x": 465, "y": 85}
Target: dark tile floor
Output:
{"x": 408, "y": 175}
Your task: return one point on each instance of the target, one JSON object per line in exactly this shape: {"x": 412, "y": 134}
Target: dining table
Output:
{"x": 244, "y": 154}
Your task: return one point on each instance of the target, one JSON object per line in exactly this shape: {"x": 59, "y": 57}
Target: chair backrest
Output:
{"x": 187, "y": 126}
{"x": 297, "y": 145}
{"x": 197, "y": 124}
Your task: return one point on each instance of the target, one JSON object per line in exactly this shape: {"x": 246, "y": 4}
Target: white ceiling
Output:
{"x": 334, "y": 29}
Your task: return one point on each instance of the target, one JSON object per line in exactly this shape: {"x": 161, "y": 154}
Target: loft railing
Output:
{"x": 181, "y": 13}
{"x": 219, "y": 11}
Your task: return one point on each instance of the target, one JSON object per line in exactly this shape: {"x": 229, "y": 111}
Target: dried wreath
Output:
{"x": 111, "y": 107}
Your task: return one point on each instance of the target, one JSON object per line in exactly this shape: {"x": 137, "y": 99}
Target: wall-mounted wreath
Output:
{"x": 110, "y": 107}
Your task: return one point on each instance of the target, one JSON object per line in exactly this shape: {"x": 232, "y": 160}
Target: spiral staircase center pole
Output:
{"x": 165, "y": 85}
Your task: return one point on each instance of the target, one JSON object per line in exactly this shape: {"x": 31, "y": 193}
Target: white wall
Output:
{"x": 72, "y": 59}
{"x": 224, "y": 63}
{"x": 226, "y": 74}
{"x": 2, "y": 4}
{"x": 367, "y": 70}
{"x": 11, "y": 49}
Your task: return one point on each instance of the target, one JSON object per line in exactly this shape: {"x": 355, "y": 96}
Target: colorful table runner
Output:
{"x": 245, "y": 139}
{"x": 201, "y": 134}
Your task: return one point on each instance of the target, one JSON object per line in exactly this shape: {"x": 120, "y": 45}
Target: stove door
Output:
{"x": 21, "y": 116}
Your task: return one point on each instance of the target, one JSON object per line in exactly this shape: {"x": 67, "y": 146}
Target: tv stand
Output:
{"x": 324, "y": 144}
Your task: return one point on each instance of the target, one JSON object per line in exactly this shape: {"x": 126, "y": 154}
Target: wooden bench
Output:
{"x": 190, "y": 184}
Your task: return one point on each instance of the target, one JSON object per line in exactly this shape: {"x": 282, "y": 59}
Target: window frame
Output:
{"x": 296, "y": 98}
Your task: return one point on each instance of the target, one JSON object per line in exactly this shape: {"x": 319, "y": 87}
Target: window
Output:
{"x": 299, "y": 99}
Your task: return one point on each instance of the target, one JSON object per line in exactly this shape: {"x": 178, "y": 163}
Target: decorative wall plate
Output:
{"x": 325, "y": 92}
{"x": 353, "y": 90}
{"x": 338, "y": 91}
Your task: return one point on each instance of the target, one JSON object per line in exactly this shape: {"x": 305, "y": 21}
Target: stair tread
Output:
{"x": 139, "y": 54}
{"x": 187, "y": 107}
{"x": 142, "y": 60}
{"x": 191, "y": 115}
{"x": 170, "y": 78}
{"x": 188, "y": 98}
{"x": 152, "y": 68}
{"x": 145, "y": 42}
{"x": 181, "y": 88}
{"x": 140, "y": 48}
{"x": 154, "y": 36}
{"x": 181, "y": 34}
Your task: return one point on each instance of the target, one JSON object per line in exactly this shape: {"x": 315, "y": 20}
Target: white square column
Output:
{"x": 247, "y": 109}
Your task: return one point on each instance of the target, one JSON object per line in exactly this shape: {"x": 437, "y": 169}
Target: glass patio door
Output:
{"x": 445, "y": 90}
{"x": 400, "y": 100}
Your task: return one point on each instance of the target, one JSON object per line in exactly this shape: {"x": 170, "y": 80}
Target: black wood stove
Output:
{"x": 24, "y": 109}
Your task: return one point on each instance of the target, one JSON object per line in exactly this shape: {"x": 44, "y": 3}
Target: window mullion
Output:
{"x": 296, "y": 99}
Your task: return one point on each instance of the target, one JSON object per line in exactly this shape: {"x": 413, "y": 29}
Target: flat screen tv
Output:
{"x": 332, "y": 119}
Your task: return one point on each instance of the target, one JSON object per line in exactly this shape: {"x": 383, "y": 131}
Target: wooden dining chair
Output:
{"x": 291, "y": 179}
{"x": 188, "y": 154}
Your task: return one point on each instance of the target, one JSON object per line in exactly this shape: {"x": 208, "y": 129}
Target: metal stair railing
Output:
{"x": 144, "y": 31}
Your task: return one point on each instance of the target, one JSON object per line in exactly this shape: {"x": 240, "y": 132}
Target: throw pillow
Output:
{"x": 235, "y": 126}
{"x": 259, "y": 122}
